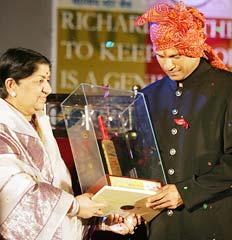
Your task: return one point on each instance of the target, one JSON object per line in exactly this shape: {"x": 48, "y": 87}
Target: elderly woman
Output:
{"x": 36, "y": 199}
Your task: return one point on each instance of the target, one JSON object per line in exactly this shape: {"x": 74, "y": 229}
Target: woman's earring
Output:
{"x": 13, "y": 94}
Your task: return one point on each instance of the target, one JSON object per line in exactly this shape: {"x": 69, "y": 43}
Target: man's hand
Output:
{"x": 87, "y": 207}
{"x": 166, "y": 197}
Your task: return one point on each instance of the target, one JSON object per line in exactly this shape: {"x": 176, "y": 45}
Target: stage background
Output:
{"x": 34, "y": 24}
{"x": 96, "y": 41}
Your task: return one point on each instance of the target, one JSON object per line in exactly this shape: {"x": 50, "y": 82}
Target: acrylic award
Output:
{"x": 114, "y": 147}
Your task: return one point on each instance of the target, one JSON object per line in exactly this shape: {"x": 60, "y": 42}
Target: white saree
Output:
{"x": 35, "y": 185}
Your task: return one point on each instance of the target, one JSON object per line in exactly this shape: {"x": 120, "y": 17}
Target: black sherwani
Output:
{"x": 198, "y": 159}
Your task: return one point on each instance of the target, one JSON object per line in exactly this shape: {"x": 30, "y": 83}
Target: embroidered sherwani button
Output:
{"x": 169, "y": 213}
{"x": 172, "y": 151}
{"x": 178, "y": 93}
{"x": 171, "y": 171}
{"x": 174, "y": 111}
{"x": 174, "y": 131}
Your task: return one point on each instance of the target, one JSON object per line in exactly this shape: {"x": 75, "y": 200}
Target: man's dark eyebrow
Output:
{"x": 174, "y": 55}
{"x": 157, "y": 54}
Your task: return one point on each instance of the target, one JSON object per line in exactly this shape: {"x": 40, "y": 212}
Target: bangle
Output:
{"x": 103, "y": 224}
{"x": 74, "y": 209}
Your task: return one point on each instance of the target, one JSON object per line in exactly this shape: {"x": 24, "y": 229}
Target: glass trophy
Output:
{"x": 111, "y": 134}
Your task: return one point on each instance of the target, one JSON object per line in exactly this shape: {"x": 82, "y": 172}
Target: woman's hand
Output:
{"x": 87, "y": 207}
{"x": 120, "y": 225}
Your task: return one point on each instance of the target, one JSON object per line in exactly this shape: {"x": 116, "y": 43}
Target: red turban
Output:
{"x": 174, "y": 25}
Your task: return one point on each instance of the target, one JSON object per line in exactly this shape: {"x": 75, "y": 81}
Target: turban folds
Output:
{"x": 174, "y": 25}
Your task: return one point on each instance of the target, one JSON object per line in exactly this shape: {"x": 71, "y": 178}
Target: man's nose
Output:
{"x": 168, "y": 64}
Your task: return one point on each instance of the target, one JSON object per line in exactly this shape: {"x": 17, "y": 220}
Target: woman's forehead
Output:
{"x": 43, "y": 69}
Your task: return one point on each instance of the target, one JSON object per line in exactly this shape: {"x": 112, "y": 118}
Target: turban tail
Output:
{"x": 180, "y": 27}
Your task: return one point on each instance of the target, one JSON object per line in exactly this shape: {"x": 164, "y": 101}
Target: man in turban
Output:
{"x": 191, "y": 110}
